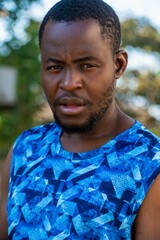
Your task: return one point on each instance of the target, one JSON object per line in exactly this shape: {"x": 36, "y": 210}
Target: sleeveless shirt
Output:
{"x": 55, "y": 194}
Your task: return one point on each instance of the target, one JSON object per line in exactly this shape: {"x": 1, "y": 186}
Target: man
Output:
{"x": 94, "y": 173}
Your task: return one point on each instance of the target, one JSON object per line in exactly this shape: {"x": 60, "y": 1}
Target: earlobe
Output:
{"x": 121, "y": 60}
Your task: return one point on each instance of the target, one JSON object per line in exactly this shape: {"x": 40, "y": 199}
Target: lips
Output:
{"x": 71, "y": 106}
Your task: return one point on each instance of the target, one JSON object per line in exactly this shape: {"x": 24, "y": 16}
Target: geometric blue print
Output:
{"x": 55, "y": 194}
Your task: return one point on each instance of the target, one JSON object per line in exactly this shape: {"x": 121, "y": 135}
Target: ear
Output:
{"x": 120, "y": 60}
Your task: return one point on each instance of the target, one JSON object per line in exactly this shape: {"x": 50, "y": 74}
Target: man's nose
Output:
{"x": 71, "y": 80}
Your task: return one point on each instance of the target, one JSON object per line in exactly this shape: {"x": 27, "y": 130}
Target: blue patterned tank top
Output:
{"x": 55, "y": 194}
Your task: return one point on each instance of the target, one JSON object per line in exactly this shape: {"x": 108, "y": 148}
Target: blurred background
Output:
{"x": 22, "y": 102}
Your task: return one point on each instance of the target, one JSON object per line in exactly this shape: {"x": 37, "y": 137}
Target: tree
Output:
{"x": 26, "y": 60}
{"x": 16, "y": 16}
{"x": 24, "y": 55}
{"x": 141, "y": 35}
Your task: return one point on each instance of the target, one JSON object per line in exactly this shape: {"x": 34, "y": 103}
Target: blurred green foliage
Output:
{"x": 25, "y": 56}
{"x": 16, "y": 18}
{"x": 27, "y": 62}
{"x": 141, "y": 35}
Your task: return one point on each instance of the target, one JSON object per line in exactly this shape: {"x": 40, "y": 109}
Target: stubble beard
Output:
{"x": 95, "y": 116}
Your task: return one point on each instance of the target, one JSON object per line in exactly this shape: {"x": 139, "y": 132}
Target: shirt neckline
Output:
{"x": 63, "y": 152}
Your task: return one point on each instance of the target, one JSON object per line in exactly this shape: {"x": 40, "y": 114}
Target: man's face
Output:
{"x": 78, "y": 71}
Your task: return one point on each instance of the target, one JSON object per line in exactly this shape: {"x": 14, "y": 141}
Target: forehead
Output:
{"x": 73, "y": 33}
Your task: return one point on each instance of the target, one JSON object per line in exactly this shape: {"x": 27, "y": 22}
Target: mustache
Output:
{"x": 71, "y": 97}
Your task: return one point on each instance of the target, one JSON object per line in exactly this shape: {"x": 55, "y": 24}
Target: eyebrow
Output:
{"x": 80, "y": 59}
{"x": 55, "y": 60}
{"x": 88, "y": 58}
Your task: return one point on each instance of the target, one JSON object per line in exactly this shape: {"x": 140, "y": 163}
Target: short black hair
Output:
{"x": 72, "y": 10}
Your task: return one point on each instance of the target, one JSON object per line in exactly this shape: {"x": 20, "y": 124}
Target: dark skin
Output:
{"x": 88, "y": 70}
{"x": 79, "y": 75}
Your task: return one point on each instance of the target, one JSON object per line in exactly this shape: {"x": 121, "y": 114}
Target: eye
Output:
{"x": 54, "y": 68}
{"x": 87, "y": 66}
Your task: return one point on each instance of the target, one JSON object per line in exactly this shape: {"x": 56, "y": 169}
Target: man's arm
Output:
{"x": 4, "y": 196}
{"x": 147, "y": 223}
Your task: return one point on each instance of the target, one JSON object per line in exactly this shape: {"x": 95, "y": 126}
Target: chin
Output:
{"x": 75, "y": 128}
{"x": 68, "y": 128}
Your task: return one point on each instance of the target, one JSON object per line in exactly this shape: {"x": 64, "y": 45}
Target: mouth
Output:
{"x": 71, "y": 106}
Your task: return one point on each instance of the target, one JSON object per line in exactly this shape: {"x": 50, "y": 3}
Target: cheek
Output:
{"x": 97, "y": 87}
{"x": 50, "y": 85}
{"x": 103, "y": 95}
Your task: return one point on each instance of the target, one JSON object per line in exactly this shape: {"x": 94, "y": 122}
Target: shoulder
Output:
{"x": 141, "y": 133}
{"x": 142, "y": 142}
{"x": 34, "y": 143}
{"x": 138, "y": 145}
{"x": 147, "y": 146}
{"x": 37, "y": 134}
{"x": 40, "y": 130}
{"x": 146, "y": 150}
